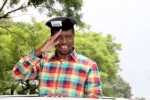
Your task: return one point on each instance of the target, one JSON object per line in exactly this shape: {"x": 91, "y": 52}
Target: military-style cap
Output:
{"x": 64, "y": 23}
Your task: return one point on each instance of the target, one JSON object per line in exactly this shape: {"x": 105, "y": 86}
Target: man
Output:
{"x": 65, "y": 73}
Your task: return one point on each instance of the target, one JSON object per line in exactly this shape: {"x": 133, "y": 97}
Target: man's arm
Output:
{"x": 29, "y": 66}
{"x": 93, "y": 84}
{"x": 26, "y": 68}
{"x": 49, "y": 44}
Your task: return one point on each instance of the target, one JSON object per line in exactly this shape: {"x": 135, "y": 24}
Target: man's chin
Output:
{"x": 64, "y": 52}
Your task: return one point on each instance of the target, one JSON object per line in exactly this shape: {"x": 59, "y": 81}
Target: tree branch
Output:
{"x": 3, "y": 5}
{"x": 14, "y": 10}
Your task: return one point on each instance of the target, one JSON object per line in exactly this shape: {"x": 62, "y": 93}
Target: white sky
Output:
{"x": 129, "y": 22}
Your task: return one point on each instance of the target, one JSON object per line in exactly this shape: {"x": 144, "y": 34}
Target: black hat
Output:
{"x": 64, "y": 23}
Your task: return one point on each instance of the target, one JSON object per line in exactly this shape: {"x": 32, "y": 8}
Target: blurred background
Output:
{"x": 114, "y": 33}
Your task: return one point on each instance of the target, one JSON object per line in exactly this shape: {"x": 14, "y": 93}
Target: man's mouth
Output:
{"x": 64, "y": 47}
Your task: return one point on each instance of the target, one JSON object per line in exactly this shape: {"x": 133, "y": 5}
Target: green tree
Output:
{"x": 16, "y": 40}
{"x": 117, "y": 88}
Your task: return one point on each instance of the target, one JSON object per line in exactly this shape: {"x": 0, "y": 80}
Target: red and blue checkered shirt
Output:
{"x": 76, "y": 77}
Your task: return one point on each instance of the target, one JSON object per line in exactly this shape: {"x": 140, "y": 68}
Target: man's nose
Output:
{"x": 63, "y": 40}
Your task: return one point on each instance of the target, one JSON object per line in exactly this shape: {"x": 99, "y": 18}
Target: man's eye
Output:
{"x": 68, "y": 36}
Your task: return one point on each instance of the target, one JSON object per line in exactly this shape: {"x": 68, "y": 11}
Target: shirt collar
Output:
{"x": 71, "y": 57}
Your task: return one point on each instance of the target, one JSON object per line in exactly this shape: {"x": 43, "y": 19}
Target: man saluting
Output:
{"x": 66, "y": 73}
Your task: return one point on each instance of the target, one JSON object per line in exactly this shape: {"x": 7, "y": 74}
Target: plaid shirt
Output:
{"x": 76, "y": 77}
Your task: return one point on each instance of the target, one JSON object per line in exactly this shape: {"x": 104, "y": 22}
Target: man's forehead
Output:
{"x": 67, "y": 33}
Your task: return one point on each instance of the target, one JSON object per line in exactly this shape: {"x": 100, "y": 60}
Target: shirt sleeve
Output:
{"x": 93, "y": 84}
{"x": 27, "y": 67}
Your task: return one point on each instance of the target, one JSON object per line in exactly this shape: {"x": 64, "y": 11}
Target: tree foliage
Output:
{"x": 117, "y": 87}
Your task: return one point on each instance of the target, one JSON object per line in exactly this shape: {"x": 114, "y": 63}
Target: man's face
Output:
{"x": 66, "y": 42}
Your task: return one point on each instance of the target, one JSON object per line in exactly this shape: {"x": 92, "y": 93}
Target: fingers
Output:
{"x": 51, "y": 42}
{"x": 50, "y": 46}
{"x": 56, "y": 35}
{"x": 55, "y": 43}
